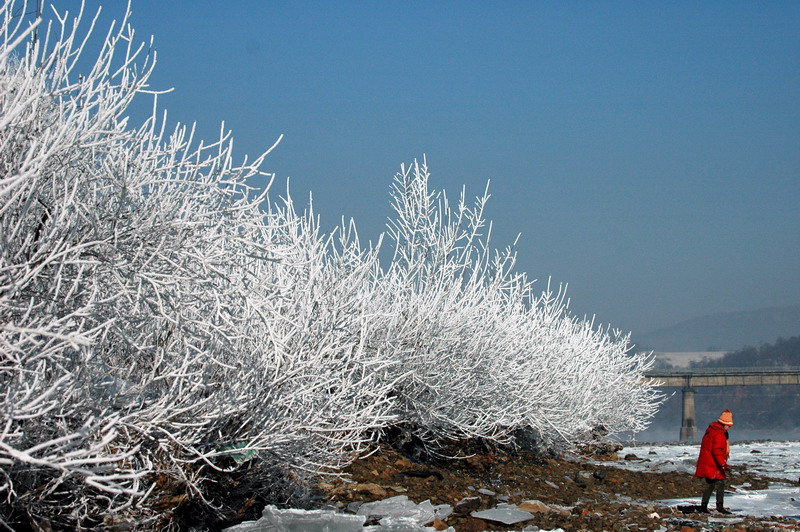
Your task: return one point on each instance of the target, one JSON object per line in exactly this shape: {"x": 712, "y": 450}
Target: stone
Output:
{"x": 371, "y": 488}
{"x": 534, "y": 506}
{"x": 467, "y": 505}
{"x": 684, "y": 523}
{"x": 599, "y": 448}
{"x": 584, "y": 475}
{"x": 439, "y": 525}
{"x": 423, "y": 473}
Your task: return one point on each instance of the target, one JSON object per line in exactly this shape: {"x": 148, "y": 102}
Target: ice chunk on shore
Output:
{"x": 508, "y": 514}
{"x": 401, "y": 524}
{"x": 399, "y": 507}
{"x": 276, "y": 520}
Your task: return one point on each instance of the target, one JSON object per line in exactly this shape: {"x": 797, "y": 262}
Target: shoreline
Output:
{"x": 575, "y": 492}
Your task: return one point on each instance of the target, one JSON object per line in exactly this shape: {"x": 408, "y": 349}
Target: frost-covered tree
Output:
{"x": 480, "y": 354}
{"x": 443, "y": 282}
{"x": 164, "y": 326}
{"x": 160, "y": 321}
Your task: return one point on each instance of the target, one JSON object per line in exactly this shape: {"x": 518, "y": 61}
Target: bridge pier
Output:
{"x": 688, "y": 425}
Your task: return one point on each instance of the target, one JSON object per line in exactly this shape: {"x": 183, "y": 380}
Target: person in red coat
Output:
{"x": 713, "y": 460}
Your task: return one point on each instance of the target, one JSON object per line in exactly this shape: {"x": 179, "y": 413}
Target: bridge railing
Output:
{"x": 771, "y": 370}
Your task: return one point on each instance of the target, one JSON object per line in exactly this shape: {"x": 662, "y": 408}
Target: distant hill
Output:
{"x": 784, "y": 352}
{"x": 725, "y": 332}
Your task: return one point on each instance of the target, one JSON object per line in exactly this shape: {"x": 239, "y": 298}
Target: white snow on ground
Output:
{"x": 778, "y": 500}
{"x": 778, "y": 459}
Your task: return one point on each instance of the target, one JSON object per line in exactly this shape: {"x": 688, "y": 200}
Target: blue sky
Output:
{"x": 648, "y": 152}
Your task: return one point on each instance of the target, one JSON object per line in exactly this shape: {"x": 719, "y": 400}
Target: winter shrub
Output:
{"x": 164, "y": 327}
{"x": 160, "y": 322}
{"x": 481, "y": 355}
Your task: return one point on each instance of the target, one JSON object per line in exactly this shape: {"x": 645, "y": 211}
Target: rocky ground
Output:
{"x": 577, "y": 494}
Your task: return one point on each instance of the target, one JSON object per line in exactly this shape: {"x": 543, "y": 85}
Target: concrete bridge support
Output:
{"x": 688, "y": 424}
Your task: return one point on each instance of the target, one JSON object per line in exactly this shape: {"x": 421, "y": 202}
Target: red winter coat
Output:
{"x": 714, "y": 452}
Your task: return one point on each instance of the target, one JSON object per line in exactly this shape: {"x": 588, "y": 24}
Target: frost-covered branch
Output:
{"x": 483, "y": 355}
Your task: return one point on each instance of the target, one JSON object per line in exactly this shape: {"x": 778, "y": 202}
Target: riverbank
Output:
{"x": 608, "y": 491}
{"x": 581, "y": 492}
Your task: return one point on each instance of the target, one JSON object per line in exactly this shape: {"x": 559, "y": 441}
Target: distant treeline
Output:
{"x": 784, "y": 352}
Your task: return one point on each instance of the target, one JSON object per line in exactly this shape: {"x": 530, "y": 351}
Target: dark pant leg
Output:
{"x": 710, "y": 485}
{"x": 720, "y": 493}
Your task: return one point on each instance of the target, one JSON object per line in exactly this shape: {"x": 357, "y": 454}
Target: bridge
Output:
{"x": 688, "y": 379}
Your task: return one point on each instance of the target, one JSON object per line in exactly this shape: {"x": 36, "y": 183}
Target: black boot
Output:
{"x": 703, "y": 509}
{"x": 722, "y": 510}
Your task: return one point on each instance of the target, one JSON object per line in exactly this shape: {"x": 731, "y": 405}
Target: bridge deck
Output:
{"x": 756, "y": 376}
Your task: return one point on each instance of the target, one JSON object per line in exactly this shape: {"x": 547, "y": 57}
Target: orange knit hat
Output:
{"x": 726, "y": 418}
